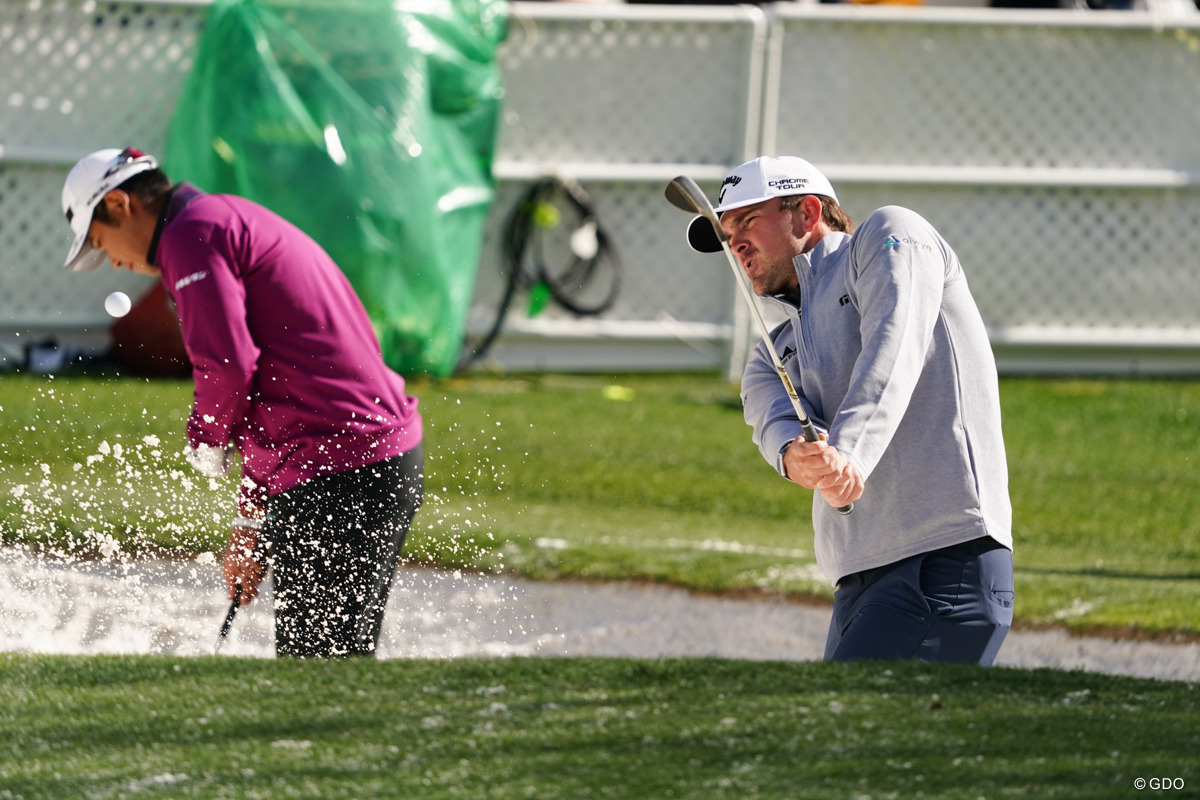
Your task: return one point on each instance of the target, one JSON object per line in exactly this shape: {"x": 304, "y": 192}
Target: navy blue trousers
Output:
{"x": 953, "y": 604}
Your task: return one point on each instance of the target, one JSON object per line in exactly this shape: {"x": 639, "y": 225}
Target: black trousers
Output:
{"x": 334, "y": 542}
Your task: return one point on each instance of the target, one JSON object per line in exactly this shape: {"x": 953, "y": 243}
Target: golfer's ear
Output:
{"x": 119, "y": 204}
{"x": 811, "y": 206}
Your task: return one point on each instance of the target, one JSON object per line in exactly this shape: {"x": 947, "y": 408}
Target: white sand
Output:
{"x": 171, "y": 607}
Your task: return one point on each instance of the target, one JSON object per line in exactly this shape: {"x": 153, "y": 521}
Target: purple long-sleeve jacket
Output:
{"x": 285, "y": 360}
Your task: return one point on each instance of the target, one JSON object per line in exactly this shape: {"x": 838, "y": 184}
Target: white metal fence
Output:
{"x": 1057, "y": 151}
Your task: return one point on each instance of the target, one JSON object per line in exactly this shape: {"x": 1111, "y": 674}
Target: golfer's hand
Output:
{"x": 240, "y": 564}
{"x": 843, "y": 486}
{"x": 820, "y": 467}
{"x": 807, "y": 463}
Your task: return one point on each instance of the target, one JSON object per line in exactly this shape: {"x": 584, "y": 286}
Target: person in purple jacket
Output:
{"x": 288, "y": 372}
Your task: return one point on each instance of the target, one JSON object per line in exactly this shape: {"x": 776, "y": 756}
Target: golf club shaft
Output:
{"x": 229, "y": 615}
{"x": 685, "y": 194}
{"x": 810, "y": 432}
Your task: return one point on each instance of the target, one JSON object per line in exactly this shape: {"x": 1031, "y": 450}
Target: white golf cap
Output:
{"x": 754, "y": 182}
{"x": 88, "y": 181}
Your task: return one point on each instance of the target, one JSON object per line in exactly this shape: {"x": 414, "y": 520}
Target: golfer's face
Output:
{"x": 123, "y": 246}
{"x": 763, "y": 238}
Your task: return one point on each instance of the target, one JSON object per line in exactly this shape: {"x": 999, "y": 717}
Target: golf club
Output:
{"x": 685, "y": 194}
{"x": 229, "y": 615}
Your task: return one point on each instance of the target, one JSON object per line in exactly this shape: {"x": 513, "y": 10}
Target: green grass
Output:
{"x": 559, "y": 477}
{"x": 153, "y": 726}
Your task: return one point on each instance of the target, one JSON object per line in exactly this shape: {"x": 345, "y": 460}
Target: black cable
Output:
{"x": 526, "y": 265}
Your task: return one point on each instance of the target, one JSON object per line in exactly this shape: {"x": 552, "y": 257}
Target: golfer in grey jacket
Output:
{"x": 888, "y": 352}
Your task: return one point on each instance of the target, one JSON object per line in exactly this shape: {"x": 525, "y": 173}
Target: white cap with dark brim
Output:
{"x": 88, "y": 181}
{"x": 755, "y": 182}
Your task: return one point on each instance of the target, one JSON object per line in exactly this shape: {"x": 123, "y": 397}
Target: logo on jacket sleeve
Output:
{"x": 893, "y": 242}
{"x": 190, "y": 279}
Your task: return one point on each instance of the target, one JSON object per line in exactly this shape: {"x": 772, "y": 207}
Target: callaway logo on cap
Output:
{"x": 754, "y": 182}
{"x": 730, "y": 180}
{"x": 88, "y": 181}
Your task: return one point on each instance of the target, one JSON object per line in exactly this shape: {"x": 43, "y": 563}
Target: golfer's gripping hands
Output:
{"x": 820, "y": 467}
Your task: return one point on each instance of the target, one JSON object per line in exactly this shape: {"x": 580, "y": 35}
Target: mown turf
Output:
{"x": 152, "y": 726}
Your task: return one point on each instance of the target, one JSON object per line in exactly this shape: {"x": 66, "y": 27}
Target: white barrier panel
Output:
{"x": 75, "y": 77}
{"x": 1055, "y": 150}
{"x": 622, "y": 99}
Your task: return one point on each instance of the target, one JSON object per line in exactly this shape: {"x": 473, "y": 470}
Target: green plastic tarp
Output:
{"x": 370, "y": 124}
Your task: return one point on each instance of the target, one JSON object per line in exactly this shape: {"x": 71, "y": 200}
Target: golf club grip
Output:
{"x": 810, "y": 432}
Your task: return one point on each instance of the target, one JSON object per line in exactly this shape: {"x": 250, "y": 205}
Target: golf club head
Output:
{"x": 685, "y": 194}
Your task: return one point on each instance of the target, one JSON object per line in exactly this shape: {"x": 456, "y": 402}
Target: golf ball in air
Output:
{"x": 117, "y": 304}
